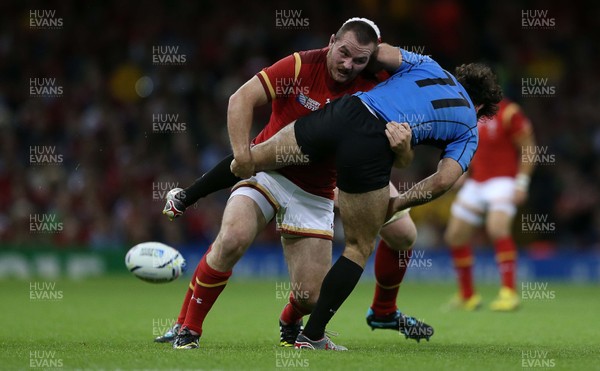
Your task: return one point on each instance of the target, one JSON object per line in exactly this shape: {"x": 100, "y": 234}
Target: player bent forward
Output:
{"x": 355, "y": 129}
{"x": 300, "y": 198}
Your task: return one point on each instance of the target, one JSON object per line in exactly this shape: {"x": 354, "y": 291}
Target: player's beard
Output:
{"x": 343, "y": 75}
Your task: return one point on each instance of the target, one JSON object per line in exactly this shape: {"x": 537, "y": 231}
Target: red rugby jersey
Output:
{"x": 496, "y": 154}
{"x": 298, "y": 85}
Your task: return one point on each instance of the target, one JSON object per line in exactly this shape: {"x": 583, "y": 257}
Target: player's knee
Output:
{"x": 233, "y": 242}
{"x": 498, "y": 223}
{"x": 400, "y": 235}
{"x": 448, "y": 237}
{"x": 356, "y": 246}
{"x": 497, "y": 233}
{"x": 359, "y": 251}
{"x": 452, "y": 237}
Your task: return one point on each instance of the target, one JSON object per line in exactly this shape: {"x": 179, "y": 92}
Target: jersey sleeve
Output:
{"x": 515, "y": 121}
{"x": 280, "y": 75}
{"x": 463, "y": 149}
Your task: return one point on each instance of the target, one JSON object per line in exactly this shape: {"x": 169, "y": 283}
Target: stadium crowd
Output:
{"x": 137, "y": 95}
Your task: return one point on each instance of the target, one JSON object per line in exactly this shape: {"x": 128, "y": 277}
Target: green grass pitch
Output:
{"x": 109, "y": 324}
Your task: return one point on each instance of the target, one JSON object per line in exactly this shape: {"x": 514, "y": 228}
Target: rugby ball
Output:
{"x": 154, "y": 262}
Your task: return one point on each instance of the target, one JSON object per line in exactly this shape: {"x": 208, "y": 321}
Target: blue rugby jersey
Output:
{"x": 435, "y": 105}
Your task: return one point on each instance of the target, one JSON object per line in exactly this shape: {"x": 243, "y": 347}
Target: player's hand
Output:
{"x": 242, "y": 169}
{"x": 399, "y": 135}
{"x": 519, "y": 197}
{"x": 174, "y": 207}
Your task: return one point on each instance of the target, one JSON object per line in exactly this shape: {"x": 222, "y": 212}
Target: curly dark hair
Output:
{"x": 481, "y": 84}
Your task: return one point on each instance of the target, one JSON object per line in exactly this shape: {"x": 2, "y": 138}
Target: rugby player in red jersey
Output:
{"x": 299, "y": 197}
{"x": 497, "y": 183}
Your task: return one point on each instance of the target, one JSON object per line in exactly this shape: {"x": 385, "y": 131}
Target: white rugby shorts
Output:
{"x": 475, "y": 199}
{"x": 297, "y": 212}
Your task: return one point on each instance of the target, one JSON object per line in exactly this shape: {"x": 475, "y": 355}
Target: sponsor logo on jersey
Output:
{"x": 308, "y": 102}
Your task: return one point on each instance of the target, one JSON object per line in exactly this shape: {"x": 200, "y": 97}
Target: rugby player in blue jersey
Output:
{"x": 434, "y": 107}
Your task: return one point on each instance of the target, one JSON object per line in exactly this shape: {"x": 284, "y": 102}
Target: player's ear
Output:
{"x": 331, "y": 40}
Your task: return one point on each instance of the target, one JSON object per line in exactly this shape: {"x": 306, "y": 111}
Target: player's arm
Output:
{"x": 265, "y": 86}
{"x": 400, "y": 136}
{"x": 402, "y": 161}
{"x": 432, "y": 187}
{"x": 523, "y": 142}
{"x": 386, "y": 57}
{"x": 520, "y": 130}
{"x": 239, "y": 122}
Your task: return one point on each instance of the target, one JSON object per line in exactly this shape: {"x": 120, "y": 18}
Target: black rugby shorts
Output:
{"x": 346, "y": 129}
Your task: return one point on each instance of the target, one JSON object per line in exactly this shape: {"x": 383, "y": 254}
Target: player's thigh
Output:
{"x": 308, "y": 260}
{"x": 362, "y": 215}
{"x": 399, "y": 230}
{"x": 499, "y": 193}
{"x": 466, "y": 214}
{"x": 242, "y": 220}
{"x": 267, "y": 155}
{"x": 399, "y": 233}
{"x": 498, "y": 224}
{"x": 301, "y": 213}
{"x": 459, "y": 231}
{"x": 364, "y": 162}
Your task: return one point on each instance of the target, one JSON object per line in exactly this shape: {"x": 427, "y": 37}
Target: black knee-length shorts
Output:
{"x": 346, "y": 129}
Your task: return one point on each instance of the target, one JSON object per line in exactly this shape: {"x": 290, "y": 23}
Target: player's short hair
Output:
{"x": 365, "y": 33}
{"x": 481, "y": 84}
